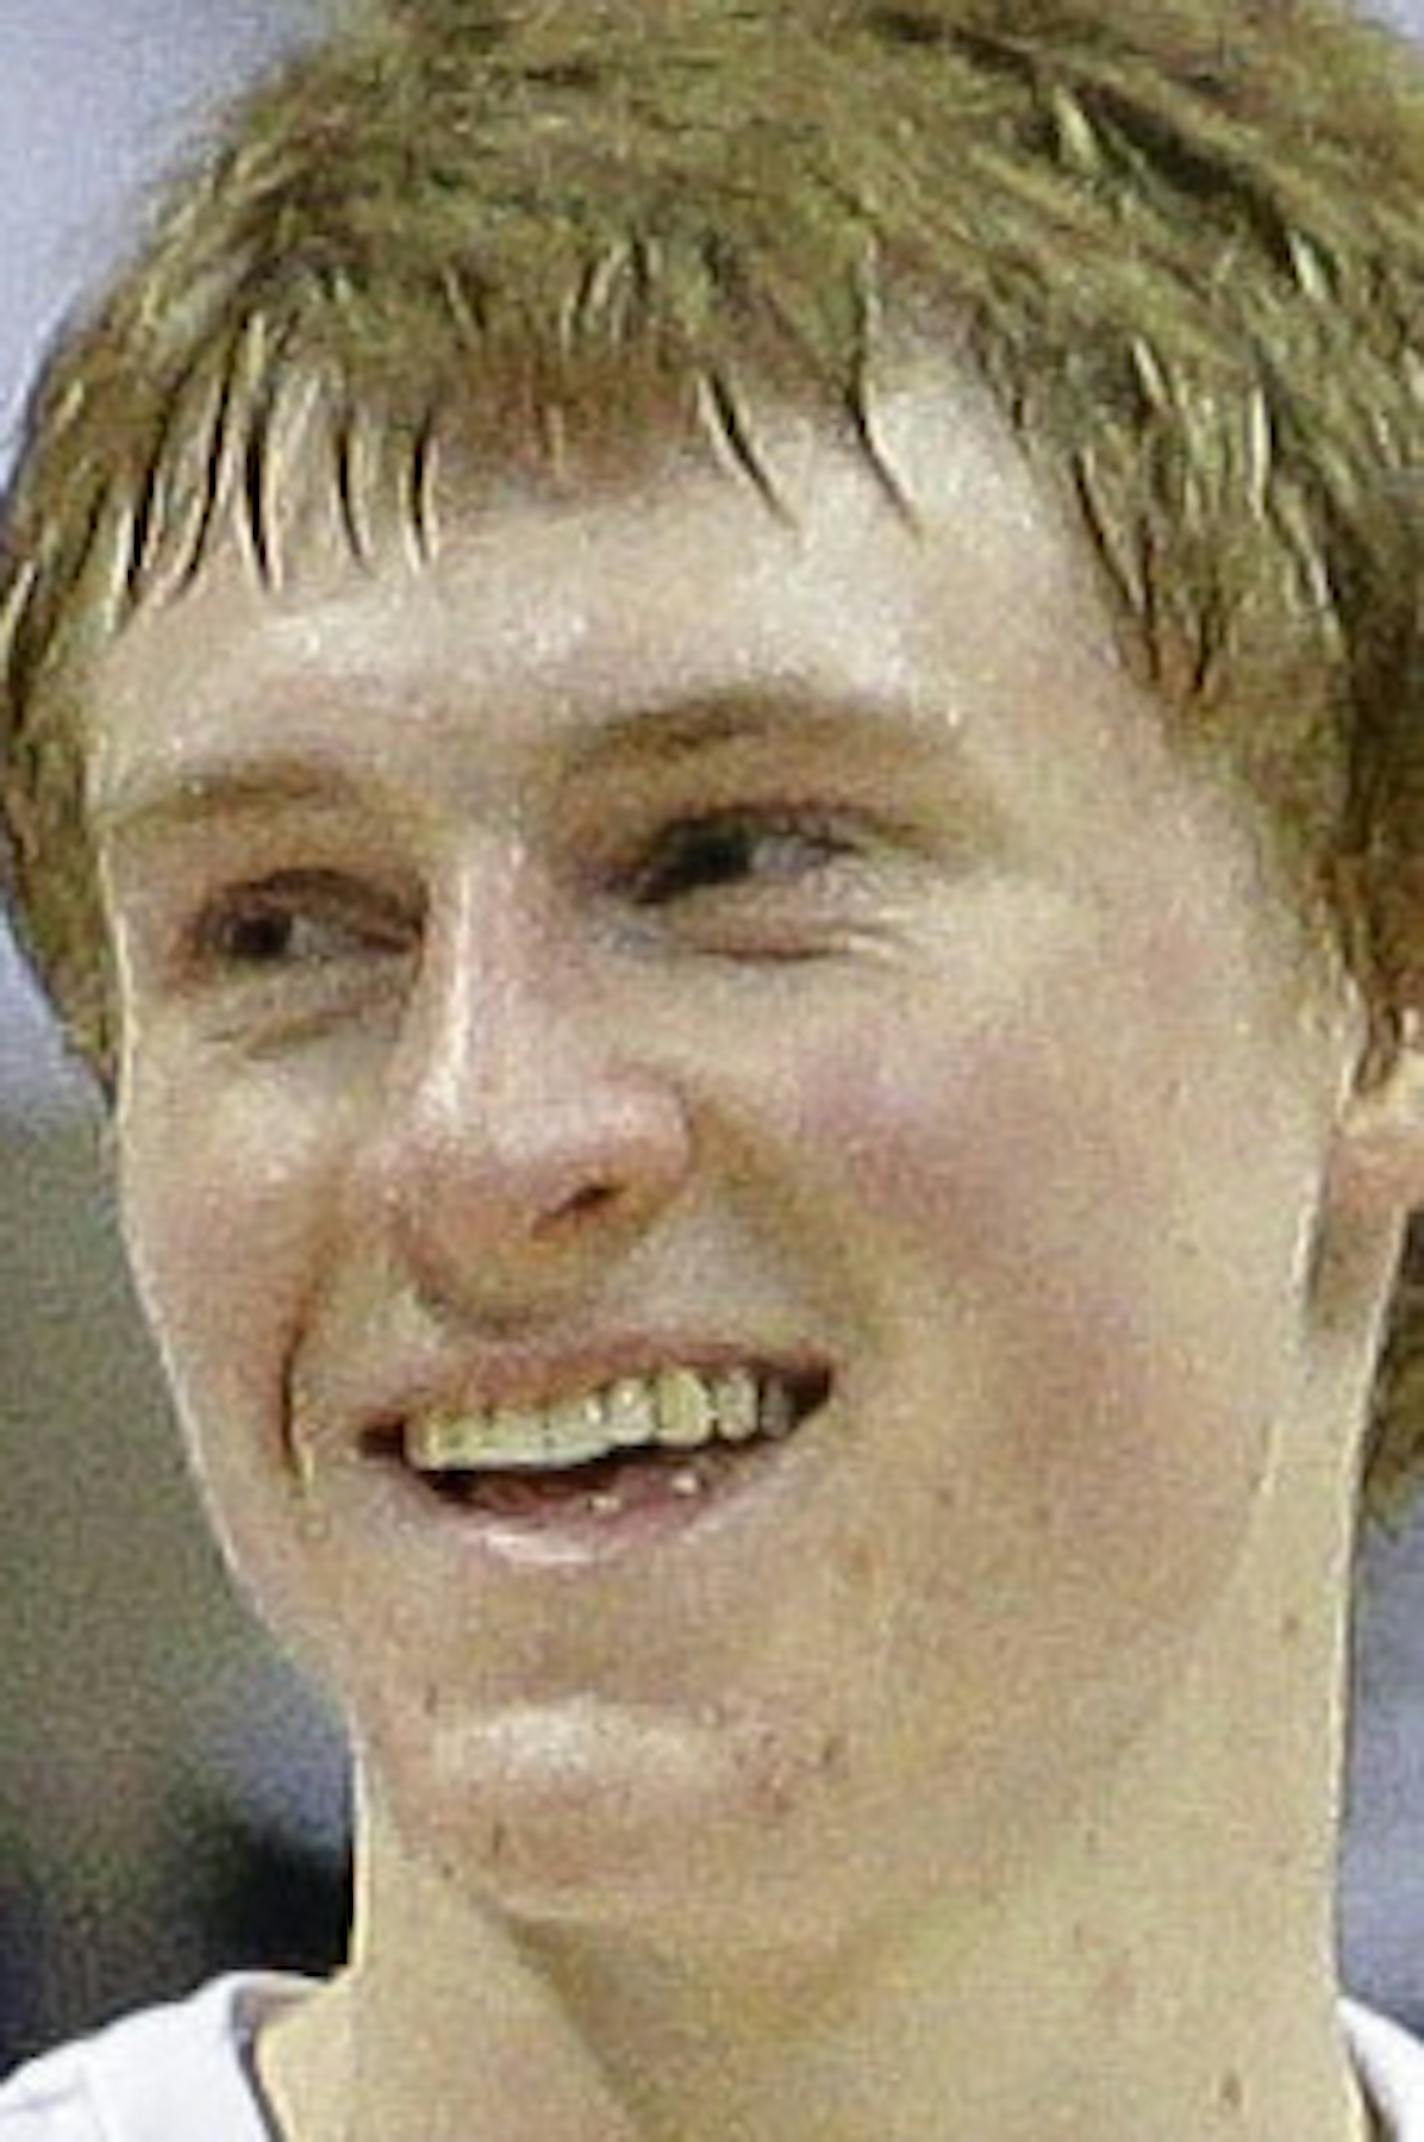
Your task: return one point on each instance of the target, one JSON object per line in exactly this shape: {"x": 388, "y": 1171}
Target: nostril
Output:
{"x": 592, "y": 1194}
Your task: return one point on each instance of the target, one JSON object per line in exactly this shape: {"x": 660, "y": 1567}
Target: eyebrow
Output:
{"x": 666, "y": 732}
{"x": 218, "y": 788}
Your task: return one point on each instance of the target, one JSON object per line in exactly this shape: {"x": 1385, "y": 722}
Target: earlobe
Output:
{"x": 1374, "y": 1179}
{"x": 1377, "y": 1158}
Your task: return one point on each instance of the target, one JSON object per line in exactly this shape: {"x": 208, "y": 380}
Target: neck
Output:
{"x": 1162, "y": 1961}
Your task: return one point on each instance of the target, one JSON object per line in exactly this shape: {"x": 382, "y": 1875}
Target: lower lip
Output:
{"x": 563, "y": 1532}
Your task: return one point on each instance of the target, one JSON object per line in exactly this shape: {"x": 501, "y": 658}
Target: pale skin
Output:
{"x": 987, "y": 1787}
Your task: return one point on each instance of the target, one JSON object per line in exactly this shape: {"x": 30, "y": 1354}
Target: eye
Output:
{"x": 296, "y": 920}
{"x": 726, "y": 848}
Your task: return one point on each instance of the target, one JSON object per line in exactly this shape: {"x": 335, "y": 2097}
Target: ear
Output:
{"x": 1377, "y": 1148}
{"x": 1374, "y": 1180}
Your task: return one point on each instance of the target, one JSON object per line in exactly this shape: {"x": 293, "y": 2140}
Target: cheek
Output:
{"x": 223, "y": 1206}
{"x": 1063, "y": 1225}
{"x": 222, "y": 1200}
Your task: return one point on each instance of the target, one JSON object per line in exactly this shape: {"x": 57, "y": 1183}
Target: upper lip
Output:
{"x": 536, "y": 1376}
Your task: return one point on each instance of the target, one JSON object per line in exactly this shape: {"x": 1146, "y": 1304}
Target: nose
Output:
{"x": 522, "y": 1141}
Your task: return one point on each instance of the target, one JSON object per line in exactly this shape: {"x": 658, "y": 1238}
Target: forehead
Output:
{"x": 540, "y": 620}
{"x": 944, "y": 596}
{"x": 840, "y": 562}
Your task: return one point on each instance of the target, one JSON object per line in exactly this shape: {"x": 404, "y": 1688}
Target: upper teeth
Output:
{"x": 680, "y": 1408}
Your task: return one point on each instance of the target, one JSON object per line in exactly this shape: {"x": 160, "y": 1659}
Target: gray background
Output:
{"x": 155, "y": 1755}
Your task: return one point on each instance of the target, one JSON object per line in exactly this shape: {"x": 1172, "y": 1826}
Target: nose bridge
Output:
{"x": 497, "y": 991}
{"x": 516, "y": 1121}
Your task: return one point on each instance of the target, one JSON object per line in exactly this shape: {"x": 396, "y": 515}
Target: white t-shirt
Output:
{"x": 183, "y": 2072}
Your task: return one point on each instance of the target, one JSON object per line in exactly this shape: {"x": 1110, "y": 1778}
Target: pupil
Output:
{"x": 718, "y": 855}
{"x": 261, "y": 937}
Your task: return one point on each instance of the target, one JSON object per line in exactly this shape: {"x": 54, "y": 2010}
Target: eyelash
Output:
{"x": 821, "y": 830}
{"x": 291, "y": 896}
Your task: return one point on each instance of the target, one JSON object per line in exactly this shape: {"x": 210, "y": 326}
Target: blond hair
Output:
{"x": 1181, "y": 241}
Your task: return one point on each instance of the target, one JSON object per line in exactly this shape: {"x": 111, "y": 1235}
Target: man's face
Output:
{"x": 964, "y": 1068}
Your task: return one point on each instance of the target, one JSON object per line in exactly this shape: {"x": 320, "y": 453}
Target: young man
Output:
{"x": 711, "y": 727}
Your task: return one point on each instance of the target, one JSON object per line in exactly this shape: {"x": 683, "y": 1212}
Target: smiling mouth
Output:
{"x": 607, "y": 1486}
